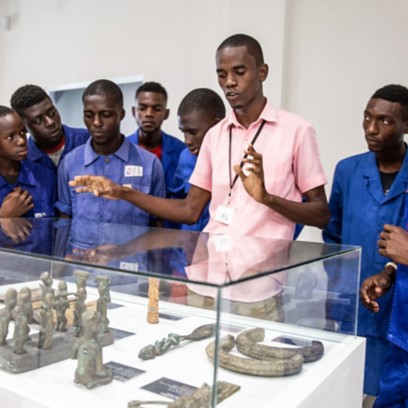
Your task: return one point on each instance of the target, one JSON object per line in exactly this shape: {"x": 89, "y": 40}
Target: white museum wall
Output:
{"x": 54, "y": 43}
{"x": 339, "y": 54}
{"x": 326, "y": 57}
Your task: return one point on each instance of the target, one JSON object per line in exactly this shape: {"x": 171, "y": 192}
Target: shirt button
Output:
{"x": 107, "y": 160}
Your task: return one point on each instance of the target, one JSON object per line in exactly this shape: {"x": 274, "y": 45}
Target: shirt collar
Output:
{"x": 90, "y": 155}
{"x": 269, "y": 114}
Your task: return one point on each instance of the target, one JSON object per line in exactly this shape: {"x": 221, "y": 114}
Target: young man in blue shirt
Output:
{"x": 198, "y": 111}
{"x": 393, "y": 244}
{"x": 368, "y": 191}
{"x": 108, "y": 153}
{"x": 50, "y": 140}
{"x": 26, "y": 189}
{"x": 150, "y": 112}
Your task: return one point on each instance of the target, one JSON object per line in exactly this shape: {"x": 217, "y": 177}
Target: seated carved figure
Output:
{"x": 90, "y": 371}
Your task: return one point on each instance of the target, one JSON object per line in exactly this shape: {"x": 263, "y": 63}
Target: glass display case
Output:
{"x": 178, "y": 315}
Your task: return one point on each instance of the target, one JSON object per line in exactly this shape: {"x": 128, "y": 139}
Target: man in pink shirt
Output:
{"x": 255, "y": 165}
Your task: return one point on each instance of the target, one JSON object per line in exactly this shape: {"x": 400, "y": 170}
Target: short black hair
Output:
{"x": 152, "y": 87}
{"x": 27, "y": 96}
{"x": 394, "y": 93}
{"x": 240, "y": 40}
{"x": 202, "y": 99}
{"x": 104, "y": 87}
{"x": 5, "y": 111}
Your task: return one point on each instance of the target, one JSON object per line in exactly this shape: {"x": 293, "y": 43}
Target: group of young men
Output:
{"x": 258, "y": 173}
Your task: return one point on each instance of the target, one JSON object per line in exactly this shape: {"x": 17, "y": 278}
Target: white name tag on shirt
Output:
{"x": 223, "y": 215}
{"x": 222, "y": 243}
{"x": 129, "y": 266}
{"x": 133, "y": 171}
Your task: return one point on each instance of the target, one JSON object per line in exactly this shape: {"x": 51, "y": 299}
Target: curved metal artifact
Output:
{"x": 247, "y": 344}
{"x": 274, "y": 367}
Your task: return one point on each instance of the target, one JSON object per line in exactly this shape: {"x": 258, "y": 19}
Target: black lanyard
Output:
{"x": 258, "y": 132}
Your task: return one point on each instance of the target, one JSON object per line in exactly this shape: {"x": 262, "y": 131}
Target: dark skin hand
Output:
{"x": 16, "y": 204}
{"x": 393, "y": 244}
{"x": 313, "y": 212}
{"x": 17, "y": 229}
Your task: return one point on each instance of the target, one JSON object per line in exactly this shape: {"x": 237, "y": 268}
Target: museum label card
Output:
{"x": 169, "y": 388}
{"x": 122, "y": 372}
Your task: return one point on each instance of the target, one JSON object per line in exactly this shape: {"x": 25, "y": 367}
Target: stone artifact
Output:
{"x": 247, "y": 343}
{"x": 153, "y": 302}
{"x": 10, "y": 302}
{"x": 276, "y": 367}
{"x": 26, "y": 303}
{"x": 79, "y": 309}
{"x": 80, "y": 278}
{"x": 61, "y": 304}
{"x": 91, "y": 371}
{"x": 200, "y": 398}
{"x": 47, "y": 322}
{"x": 161, "y": 346}
{"x": 46, "y": 285}
{"x": 21, "y": 327}
{"x": 103, "y": 301}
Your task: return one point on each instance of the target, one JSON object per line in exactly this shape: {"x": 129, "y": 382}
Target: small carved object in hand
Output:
{"x": 10, "y": 302}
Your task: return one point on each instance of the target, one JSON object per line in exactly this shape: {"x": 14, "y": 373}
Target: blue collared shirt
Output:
{"x": 398, "y": 329}
{"x": 74, "y": 137}
{"x": 171, "y": 149}
{"x": 40, "y": 183}
{"x": 130, "y": 165}
{"x": 181, "y": 186}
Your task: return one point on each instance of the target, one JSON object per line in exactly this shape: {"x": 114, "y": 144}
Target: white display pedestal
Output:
{"x": 335, "y": 381}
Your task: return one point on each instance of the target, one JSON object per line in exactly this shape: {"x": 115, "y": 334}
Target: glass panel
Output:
{"x": 214, "y": 297}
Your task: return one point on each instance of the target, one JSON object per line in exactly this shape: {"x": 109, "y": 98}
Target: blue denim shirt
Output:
{"x": 398, "y": 329}
{"x": 181, "y": 186}
{"x": 359, "y": 209}
{"x": 130, "y": 165}
{"x": 74, "y": 137}
{"x": 40, "y": 182}
{"x": 171, "y": 149}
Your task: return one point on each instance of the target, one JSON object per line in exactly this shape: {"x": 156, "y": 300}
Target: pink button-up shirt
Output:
{"x": 291, "y": 163}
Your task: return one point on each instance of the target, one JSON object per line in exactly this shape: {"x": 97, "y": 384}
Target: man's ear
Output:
{"x": 167, "y": 114}
{"x": 122, "y": 114}
{"x": 263, "y": 72}
{"x": 134, "y": 111}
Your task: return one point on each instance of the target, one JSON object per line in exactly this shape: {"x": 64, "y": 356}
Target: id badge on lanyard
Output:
{"x": 224, "y": 214}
